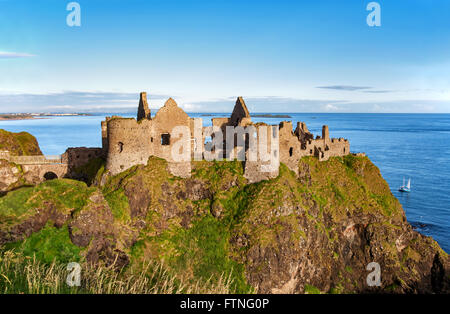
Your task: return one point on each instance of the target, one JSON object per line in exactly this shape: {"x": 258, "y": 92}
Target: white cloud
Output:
{"x": 115, "y": 102}
{"x": 345, "y": 87}
{"x": 75, "y": 101}
{"x": 330, "y": 107}
{"x": 191, "y": 107}
{"x": 14, "y": 55}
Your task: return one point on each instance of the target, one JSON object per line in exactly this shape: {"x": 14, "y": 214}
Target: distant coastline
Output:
{"x": 261, "y": 115}
{"x": 27, "y": 116}
{"x": 14, "y": 117}
{"x": 268, "y": 115}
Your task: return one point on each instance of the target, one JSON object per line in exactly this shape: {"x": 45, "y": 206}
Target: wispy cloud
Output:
{"x": 14, "y": 55}
{"x": 351, "y": 88}
{"x": 75, "y": 101}
{"x": 268, "y": 104}
{"x": 345, "y": 87}
{"x": 330, "y": 107}
{"x": 378, "y": 91}
{"x": 394, "y": 106}
{"x": 116, "y": 102}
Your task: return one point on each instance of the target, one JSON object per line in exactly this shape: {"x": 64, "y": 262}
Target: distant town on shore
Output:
{"x": 25, "y": 116}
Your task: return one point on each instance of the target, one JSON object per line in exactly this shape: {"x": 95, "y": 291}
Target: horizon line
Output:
{"x": 209, "y": 112}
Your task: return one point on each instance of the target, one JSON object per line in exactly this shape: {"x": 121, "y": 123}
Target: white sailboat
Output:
{"x": 407, "y": 187}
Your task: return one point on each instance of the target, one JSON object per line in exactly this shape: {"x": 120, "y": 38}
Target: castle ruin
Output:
{"x": 127, "y": 141}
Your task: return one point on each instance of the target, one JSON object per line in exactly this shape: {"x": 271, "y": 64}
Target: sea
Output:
{"x": 410, "y": 146}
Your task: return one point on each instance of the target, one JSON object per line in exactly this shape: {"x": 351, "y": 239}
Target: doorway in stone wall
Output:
{"x": 50, "y": 176}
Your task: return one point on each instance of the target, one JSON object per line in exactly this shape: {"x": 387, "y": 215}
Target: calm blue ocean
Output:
{"x": 415, "y": 146}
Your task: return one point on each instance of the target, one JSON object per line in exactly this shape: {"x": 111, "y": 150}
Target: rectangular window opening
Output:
{"x": 165, "y": 139}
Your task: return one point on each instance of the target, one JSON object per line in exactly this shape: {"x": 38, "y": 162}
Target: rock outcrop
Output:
{"x": 13, "y": 176}
{"x": 19, "y": 144}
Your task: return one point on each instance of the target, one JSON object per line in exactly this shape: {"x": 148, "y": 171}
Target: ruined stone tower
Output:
{"x": 240, "y": 115}
{"x": 143, "y": 110}
{"x": 326, "y": 133}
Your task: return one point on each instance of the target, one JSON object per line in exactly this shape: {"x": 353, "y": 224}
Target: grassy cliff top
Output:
{"x": 311, "y": 231}
{"x": 21, "y": 144}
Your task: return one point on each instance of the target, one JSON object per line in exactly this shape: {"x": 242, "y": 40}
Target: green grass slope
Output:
{"x": 314, "y": 231}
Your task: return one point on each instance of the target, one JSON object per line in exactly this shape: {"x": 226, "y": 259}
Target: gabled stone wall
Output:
{"x": 128, "y": 142}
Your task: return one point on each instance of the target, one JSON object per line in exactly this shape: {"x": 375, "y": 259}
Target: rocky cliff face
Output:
{"x": 17, "y": 144}
{"x": 11, "y": 176}
{"x": 311, "y": 231}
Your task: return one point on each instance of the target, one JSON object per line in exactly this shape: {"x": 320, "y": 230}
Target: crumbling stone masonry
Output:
{"x": 39, "y": 168}
{"x": 128, "y": 142}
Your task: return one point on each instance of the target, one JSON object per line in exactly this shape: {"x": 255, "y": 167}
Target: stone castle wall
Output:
{"x": 131, "y": 142}
{"x": 76, "y": 157}
{"x": 128, "y": 142}
{"x": 37, "y": 168}
{"x": 267, "y": 164}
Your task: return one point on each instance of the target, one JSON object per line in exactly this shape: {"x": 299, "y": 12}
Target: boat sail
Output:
{"x": 407, "y": 187}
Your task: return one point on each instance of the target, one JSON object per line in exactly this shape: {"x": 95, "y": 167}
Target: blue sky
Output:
{"x": 281, "y": 56}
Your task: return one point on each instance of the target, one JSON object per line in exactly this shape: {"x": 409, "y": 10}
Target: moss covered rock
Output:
{"x": 62, "y": 219}
{"x": 16, "y": 144}
{"x": 11, "y": 176}
{"x": 19, "y": 144}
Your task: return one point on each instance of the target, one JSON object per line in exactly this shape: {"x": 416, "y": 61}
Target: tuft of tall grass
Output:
{"x": 21, "y": 274}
